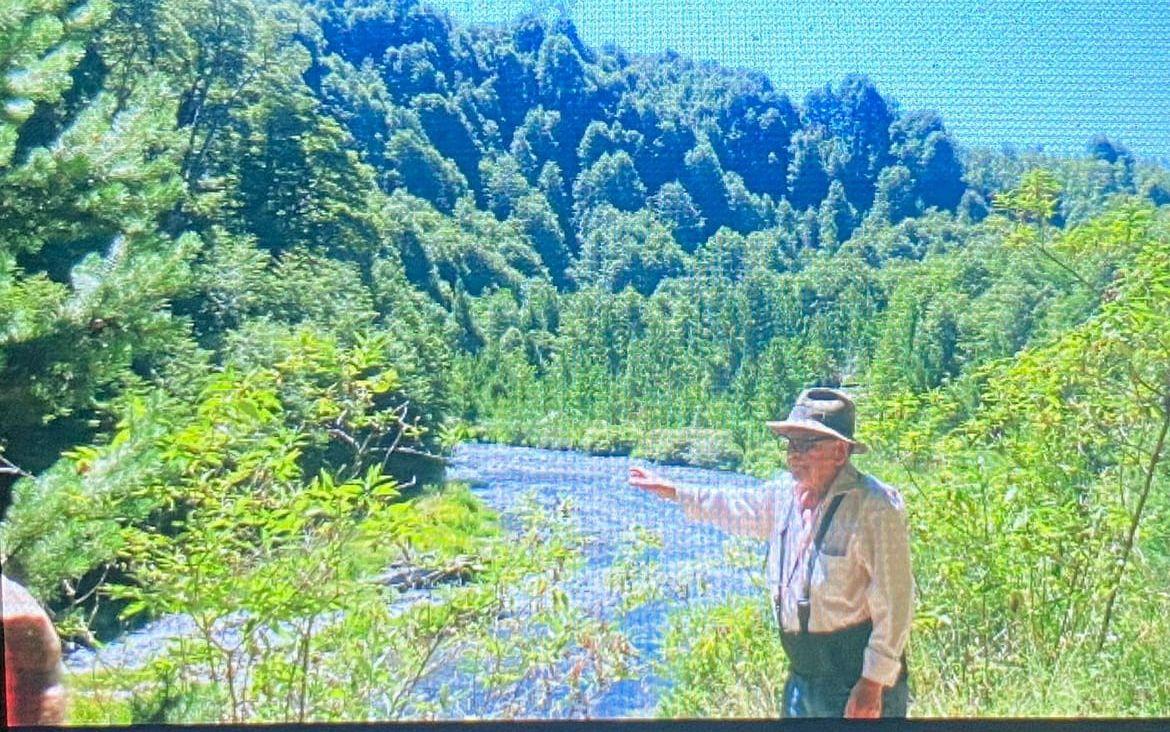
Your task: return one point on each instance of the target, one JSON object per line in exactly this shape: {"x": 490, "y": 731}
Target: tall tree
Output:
{"x": 857, "y": 116}
{"x": 808, "y": 180}
{"x": 611, "y": 180}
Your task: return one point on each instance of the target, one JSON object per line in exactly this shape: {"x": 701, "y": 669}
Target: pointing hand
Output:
{"x": 649, "y": 481}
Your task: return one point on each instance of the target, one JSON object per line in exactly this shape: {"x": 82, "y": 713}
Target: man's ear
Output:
{"x": 844, "y": 449}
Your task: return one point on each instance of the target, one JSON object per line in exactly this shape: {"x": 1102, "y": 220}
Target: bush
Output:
{"x": 725, "y": 661}
{"x": 290, "y": 627}
{"x": 703, "y": 448}
{"x": 609, "y": 439}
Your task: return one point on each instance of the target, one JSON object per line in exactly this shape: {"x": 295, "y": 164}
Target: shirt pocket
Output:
{"x": 832, "y": 576}
{"x": 836, "y": 542}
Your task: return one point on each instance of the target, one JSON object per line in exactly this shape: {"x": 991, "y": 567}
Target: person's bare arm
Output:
{"x": 32, "y": 661}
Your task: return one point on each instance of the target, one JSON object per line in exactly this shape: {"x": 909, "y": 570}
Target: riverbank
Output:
{"x": 213, "y": 658}
{"x": 714, "y": 449}
{"x": 596, "y": 599}
{"x": 564, "y": 616}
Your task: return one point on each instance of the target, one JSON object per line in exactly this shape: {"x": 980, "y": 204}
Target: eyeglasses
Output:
{"x": 802, "y": 446}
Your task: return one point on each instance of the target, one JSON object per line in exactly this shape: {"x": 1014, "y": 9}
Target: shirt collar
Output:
{"x": 847, "y": 479}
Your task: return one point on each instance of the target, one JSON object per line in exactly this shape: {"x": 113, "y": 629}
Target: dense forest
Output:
{"x": 262, "y": 264}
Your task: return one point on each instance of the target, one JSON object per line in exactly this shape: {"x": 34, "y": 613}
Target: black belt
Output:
{"x": 839, "y": 654}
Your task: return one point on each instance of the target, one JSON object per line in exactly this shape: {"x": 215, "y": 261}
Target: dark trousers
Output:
{"x": 823, "y": 669}
{"x": 826, "y": 696}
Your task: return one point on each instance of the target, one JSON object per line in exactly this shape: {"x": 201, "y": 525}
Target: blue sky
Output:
{"x": 1020, "y": 72}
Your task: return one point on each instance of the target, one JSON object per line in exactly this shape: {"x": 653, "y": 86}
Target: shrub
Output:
{"x": 704, "y": 448}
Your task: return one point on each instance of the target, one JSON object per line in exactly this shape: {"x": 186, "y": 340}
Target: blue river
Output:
{"x": 693, "y": 556}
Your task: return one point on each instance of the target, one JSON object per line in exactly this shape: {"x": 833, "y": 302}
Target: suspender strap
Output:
{"x": 828, "y": 520}
{"x": 803, "y": 605}
{"x": 783, "y": 551}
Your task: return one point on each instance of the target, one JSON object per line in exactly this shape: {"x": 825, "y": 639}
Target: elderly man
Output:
{"x": 838, "y": 567}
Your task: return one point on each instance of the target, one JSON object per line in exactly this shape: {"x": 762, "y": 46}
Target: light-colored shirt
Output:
{"x": 862, "y": 571}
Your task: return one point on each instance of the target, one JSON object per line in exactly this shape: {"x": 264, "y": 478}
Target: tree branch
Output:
{"x": 7, "y": 467}
{"x": 1135, "y": 519}
{"x": 400, "y": 698}
{"x": 1053, "y": 258}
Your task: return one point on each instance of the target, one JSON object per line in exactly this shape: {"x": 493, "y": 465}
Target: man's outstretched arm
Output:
{"x": 747, "y": 513}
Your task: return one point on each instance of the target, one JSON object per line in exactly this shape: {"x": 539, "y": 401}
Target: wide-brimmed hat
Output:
{"x": 820, "y": 411}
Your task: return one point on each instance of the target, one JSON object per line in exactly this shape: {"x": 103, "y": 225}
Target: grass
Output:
{"x": 726, "y": 661}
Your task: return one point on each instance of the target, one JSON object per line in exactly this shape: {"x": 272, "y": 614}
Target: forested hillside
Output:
{"x": 258, "y": 255}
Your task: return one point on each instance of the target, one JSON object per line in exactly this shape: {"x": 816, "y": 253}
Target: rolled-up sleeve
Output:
{"x": 741, "y": 512}
{"x": 886, "y": 552}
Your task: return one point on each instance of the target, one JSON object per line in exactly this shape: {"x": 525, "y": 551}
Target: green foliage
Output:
{"x": 280, "y": 557}
{"x": 928, "y": 155}
{"x": 287, "y": 401}
{"x": 674, "y": 206}
{"x": 856, "y": 121}
{"x": 611, "y": 180}
{"x": 538, "y": 223}
{"x": 1045, "y": 486}
{"x": 275, "y": 569}
{"x": 701, "y": 448}
{"x": 451, "y": 522}
{"x": 1088, "y": 184}
{"x": 504, "y": 184}
{"x": 726, "y": 662}
{"x": 447, "y": 127}
{"x": 266, "y": 259}
{"x": 41, "y": 47}
{"x": 66, "y": 523}
{"x": 289, "y": 650}
{"x": 625, "y": 249}
{"x": 418, "y": 167}
{"x": 807, "y": 179}
{"x": 836, "y": 217}
{"x": 1035, "y": 199}
{"x": 607, "y": 439}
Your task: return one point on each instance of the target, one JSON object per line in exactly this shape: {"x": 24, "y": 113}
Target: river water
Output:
{"x": 693, "y": 556}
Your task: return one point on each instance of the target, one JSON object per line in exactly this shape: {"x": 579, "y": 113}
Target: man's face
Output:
{"x": 814, "y": 460}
